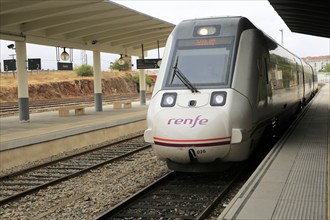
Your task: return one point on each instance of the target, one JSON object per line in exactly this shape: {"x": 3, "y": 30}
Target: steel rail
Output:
{"x": 11, "y": 108}
{"x": 22, "y": 178}
{"x": 176, "y": 195}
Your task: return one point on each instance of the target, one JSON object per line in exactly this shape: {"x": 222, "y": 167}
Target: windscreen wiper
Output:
{"x": 182, "y": 77}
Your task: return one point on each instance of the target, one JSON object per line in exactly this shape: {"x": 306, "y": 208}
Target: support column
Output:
{"x": 23, "y": 85}
{"x": 129, "y": 60}
{"x": 142, "y": 87}
{"x": 97, "y": 81}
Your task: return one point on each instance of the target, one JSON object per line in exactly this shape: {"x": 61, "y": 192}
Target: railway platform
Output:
{"x": 292, "y": 182}
{"x": 47, "y": 134}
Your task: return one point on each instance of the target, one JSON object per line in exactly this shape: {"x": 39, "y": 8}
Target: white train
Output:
{"x": 222, "y": 81}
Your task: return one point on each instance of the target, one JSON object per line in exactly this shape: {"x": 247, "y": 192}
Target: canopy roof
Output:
{"x": 109, "y": 27}
{"x": 305, "y": 17}
{"x": 89, "y": 24}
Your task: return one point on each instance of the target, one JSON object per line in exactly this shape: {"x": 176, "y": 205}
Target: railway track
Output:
{"x": 191, "y": 195}
{"x": 11, "y": 108}
{"x": 176, "y": 196}
{"x": 16, "y": 185}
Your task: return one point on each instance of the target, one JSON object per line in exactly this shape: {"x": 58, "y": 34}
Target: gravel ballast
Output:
{"x": 87, "y": 196}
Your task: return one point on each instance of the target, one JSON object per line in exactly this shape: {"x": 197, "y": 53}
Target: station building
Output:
{"x": 317, "y": 62}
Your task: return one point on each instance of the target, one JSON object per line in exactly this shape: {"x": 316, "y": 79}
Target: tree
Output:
{"x": 116, "y": 66}
{"x": 325, "y": 68}
{"x": 84, "y": 70}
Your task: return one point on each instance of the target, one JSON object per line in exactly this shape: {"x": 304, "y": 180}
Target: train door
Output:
{"x": 264, "y": 90}
{"x": 300, "y": 79}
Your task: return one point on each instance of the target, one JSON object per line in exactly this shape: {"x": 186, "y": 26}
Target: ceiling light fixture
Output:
{"x": 121, "y": 60}
{"x": 64, "y": 55}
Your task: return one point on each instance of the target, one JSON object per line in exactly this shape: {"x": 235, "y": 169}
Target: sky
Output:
{"x": 259, "y": 12}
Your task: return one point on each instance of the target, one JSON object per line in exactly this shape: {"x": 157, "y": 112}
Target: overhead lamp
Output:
{"x": 121, "y": 60}
{"x": 64, "y": 55}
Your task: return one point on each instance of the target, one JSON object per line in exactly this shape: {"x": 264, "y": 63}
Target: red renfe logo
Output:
{"x": 188, "y": 121}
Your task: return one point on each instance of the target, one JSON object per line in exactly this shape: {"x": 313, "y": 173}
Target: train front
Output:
{"x": 190, "y": 122}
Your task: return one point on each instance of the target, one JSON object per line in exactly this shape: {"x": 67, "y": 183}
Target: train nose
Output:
{"x": 190, "y": 136}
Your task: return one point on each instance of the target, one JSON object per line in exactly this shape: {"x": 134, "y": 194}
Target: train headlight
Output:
{"x": 218, "y": 98}
{"x": 168, "y": 99}
{"x": 207, "y": 30}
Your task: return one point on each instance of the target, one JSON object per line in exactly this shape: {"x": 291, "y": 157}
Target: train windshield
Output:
{"x": 204, "y": 62}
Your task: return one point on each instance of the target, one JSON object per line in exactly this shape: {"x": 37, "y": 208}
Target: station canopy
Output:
{"x": 305, "y": 17}
{"x": 88, "y": 25}
{"x": 109, "y": 27}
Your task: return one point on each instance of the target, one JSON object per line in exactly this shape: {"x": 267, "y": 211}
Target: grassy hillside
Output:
{"x": 64, "y": 84}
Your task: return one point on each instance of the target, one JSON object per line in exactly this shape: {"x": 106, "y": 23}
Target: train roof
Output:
{"x": 243, "y": 23}
{"x": 223, "y": 18}
{"x": 233, "y": 24}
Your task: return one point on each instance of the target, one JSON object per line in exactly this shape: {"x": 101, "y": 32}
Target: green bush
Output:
{"x": 136, "y": 79}
{"x": 84, "y": 70}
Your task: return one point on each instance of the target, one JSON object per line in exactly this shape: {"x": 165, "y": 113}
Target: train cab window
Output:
{"x": 204, "y": 62}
